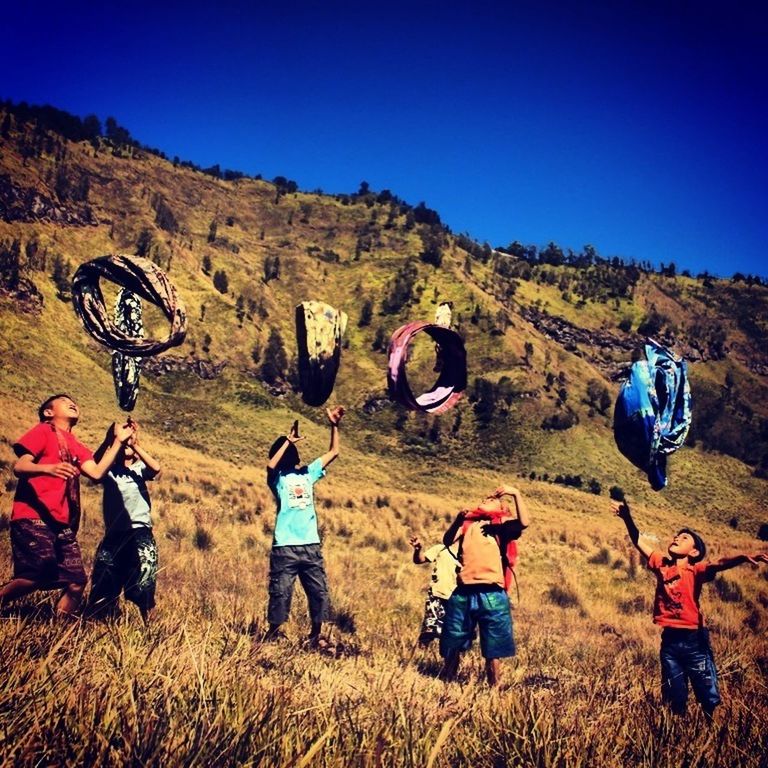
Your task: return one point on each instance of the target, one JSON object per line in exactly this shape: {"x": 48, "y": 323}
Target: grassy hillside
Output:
{"x": 199, "y": 690}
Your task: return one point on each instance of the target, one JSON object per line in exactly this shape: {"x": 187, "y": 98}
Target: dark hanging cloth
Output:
{"x": 73, "y": 483}
{"x": 452, "y": 379}
{"x": 653, "y": 412}
{"x": 126, "y": 369}
{"x": 143, "y": 278}
{"x": 319, "y": 328}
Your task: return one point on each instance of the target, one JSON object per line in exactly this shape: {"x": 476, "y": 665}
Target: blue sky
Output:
{"x": 637, "y": 127}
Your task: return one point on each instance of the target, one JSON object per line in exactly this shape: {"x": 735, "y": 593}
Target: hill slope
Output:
{"x": 536, "y": 333}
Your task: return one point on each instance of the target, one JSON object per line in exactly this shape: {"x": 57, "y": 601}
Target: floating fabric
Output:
{"x": 452, "y": 380}
{"x": 653, "y": 412}
{"x": 319, "y": 328}
{"x": 443, "y": 314}
{"x": 143, "y": 278}
{"x": 126, "y": 369}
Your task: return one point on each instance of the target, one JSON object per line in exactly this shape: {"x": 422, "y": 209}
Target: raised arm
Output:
{"x": 450, "y": 535}
{"x": 334, "y": 417}
{"x": 151, "y": 463}
{"x": 621, "y": 509}
{"x": 418, "y": 554}
{"x": 724, "y": 563}
{"x": 95, "y": 470}
{"x": 523, "y": 516}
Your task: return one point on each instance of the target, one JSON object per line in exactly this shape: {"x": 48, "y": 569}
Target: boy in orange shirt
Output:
{"x": 486, "y": 538}
{"x": 686, "y": 652}
{"x": 46, "y": 506}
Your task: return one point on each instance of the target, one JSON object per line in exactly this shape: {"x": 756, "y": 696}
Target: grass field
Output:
{"x": 200, "y": 689}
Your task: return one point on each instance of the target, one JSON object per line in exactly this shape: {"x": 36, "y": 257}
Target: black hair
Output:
{"x": 698, "y": 543}
{"x": 47, "y": 404}
{"x": 290, "y": 459}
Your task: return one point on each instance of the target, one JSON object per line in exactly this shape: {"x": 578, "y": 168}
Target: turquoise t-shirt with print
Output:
{"x": 296, "y": 521}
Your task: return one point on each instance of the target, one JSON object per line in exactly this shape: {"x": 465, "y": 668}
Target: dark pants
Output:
{"x": 687, "y": 655}
{"x": 285, "y": 564}
{"x": 126, "y": 561}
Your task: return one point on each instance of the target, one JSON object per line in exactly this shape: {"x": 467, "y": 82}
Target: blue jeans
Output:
{"x": 483, "y": 607}
{"x": 687, "y": 655}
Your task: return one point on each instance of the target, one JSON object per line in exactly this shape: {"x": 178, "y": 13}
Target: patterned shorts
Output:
{"x": 44, "y": 555}
{"x": 126, "y": 561}
{"x": 432, "y": 625}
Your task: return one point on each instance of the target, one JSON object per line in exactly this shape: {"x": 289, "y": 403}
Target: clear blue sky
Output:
{"x": 639, "y": 127}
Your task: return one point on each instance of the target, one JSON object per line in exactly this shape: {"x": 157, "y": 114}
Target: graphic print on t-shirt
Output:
{"x": 673, "y": 598}
{"x": 299, "y": 492}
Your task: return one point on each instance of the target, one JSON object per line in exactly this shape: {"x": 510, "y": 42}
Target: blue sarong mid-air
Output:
{"x": 653, "y": 412}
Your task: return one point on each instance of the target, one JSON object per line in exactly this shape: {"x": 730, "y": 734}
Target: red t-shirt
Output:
{"x": 45, "y": 491}
{"x": 676, "y": 602}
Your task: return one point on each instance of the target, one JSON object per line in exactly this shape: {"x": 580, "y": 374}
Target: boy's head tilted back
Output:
{"x": 290, "y": 459}
{"x": 494, "y": 504}
{"x": 688, "y": 543}
{"x": 59, "y": 406}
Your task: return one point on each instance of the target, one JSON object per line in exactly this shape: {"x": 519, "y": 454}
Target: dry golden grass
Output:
{"x": 199, "y": 689}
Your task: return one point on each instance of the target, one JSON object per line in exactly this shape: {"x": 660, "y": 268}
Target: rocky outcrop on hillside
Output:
{"x": 25, "y": 295}
{"x": 583, "y": 342}
{"x": 26, "y": 204}
{"x": 594, "y": 345}
{"x": 204, "y": 369}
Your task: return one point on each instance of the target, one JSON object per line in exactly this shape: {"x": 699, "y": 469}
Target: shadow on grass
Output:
{"x": 42, "y": 613}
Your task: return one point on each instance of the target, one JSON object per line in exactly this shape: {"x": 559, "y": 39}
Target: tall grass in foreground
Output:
{"x": 197, "y": 692}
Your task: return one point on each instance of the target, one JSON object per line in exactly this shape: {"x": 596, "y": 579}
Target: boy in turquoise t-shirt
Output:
{"x": 296, "y": 542}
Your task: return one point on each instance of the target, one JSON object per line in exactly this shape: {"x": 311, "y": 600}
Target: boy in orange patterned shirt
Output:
{"x": 686, "y": 653}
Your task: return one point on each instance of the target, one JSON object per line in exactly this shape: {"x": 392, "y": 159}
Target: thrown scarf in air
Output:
{"x": 319, "y": 328}
{"x": 653, "y": 412}
{"x": 140, "y": 276}
{"x": 452, "y": 378}
{"x": 126, "y": 369}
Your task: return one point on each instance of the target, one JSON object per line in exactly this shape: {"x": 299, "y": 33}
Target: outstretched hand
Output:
{"x": 133, "y": 440}
{"x": 756, "y": 559}
{"x": 620, "y": 509}
{"x": 415, "y": 542}
{"x": 335, "y": 414}
{"x": 293, "y": 435}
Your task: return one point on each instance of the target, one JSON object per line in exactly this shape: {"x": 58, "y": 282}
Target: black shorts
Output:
{"x": 126, "y": 561}
{"x": 46, "y": 556}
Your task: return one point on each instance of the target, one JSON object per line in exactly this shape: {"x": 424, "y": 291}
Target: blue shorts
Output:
{"x": 486, "y": 608}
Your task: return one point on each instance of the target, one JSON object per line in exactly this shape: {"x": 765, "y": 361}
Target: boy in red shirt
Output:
{"x": 685, "y": 649}
{"x": 46, "y": 505}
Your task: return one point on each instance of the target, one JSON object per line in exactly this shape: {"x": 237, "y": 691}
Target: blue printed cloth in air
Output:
{"x": 653, "y": 412}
